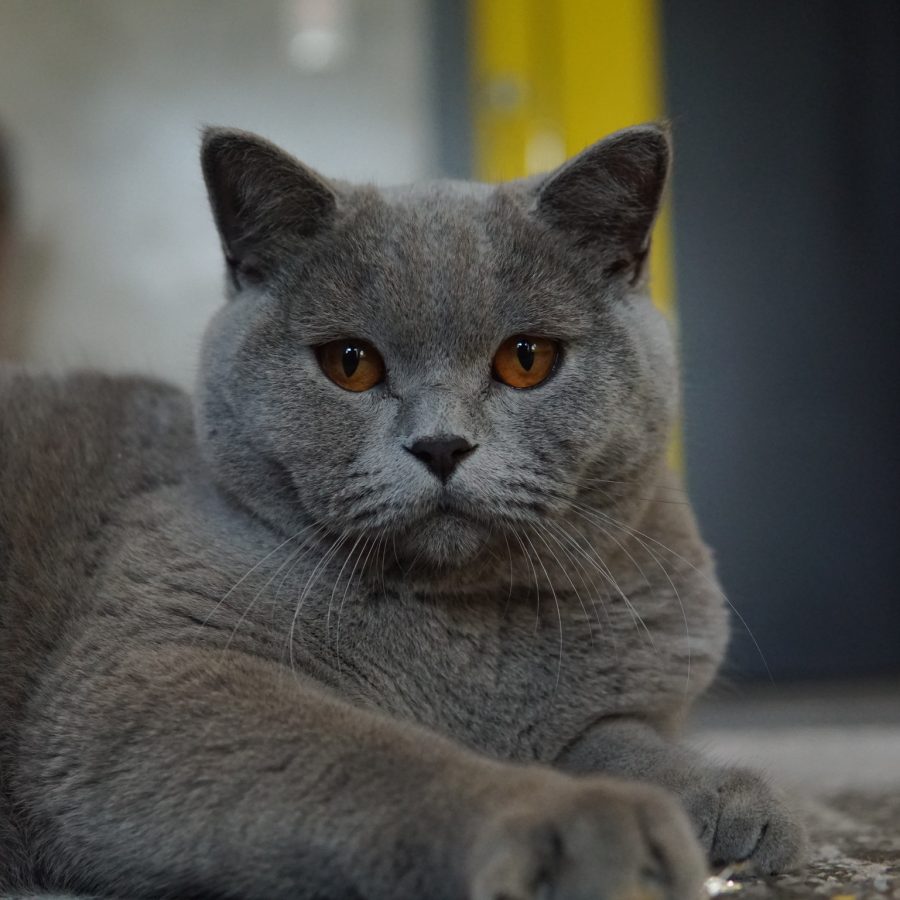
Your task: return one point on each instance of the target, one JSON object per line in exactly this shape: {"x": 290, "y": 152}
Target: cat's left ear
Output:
{"x": 264, "y": 201}
{"x": 606, "y": 198}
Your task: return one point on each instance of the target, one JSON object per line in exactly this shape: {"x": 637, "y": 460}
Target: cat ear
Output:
{"x": 263, "y": 200}
{"x": 607, "y": 197}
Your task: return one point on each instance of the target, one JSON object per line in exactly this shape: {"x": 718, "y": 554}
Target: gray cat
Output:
{"x": 405, "y": 604}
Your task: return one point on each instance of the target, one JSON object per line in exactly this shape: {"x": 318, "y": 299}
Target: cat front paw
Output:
{"x": 739, "y": 818}
{"x": 587, "y": 839}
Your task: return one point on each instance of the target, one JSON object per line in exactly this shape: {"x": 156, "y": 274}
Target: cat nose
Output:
{"x": 441, "y": 453}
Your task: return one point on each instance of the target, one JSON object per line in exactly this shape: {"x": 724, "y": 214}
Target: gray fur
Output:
{"x": 255, "y": 649}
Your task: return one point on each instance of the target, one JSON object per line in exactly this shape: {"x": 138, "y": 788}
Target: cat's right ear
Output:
{"x": 263, "y": 200}
{"x": 606, "y": 198}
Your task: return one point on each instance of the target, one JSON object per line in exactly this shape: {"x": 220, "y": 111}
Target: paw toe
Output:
{"x": 754, "y": 827}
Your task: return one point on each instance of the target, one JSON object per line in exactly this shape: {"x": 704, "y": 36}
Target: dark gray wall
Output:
{"x": 787, "y": 210}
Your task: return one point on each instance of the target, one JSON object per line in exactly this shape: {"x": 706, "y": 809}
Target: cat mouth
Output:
{"x": 447, "y": 513}
{"x": 452, "y": 509}
{"x": 446, "y": 536}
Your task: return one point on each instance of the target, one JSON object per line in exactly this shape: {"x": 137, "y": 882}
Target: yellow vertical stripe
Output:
{"x": 502, "y": 58}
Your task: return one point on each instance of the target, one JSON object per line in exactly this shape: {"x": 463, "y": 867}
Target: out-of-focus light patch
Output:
{"x": 316, "y": 49}
{"x": 717, "y": 885}
{"x": 504, "y": 94}
{"x": 319, "y": 33}
{"x": 544, "y": 151}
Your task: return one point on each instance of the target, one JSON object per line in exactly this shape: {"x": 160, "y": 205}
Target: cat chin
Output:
{"x": 446, "y": 540}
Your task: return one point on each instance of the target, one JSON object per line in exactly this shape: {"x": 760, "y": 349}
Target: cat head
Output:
{"x": 444, "y": 364}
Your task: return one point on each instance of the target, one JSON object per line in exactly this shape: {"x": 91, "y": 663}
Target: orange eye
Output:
{"x": 524, "y": 361}
{"x": 351, "y": 364}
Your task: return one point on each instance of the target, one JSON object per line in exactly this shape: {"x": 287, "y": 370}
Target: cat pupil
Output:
{"x": 525, "y": 352}
{"x": 350, "y": 360}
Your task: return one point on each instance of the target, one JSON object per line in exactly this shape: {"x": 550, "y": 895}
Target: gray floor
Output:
{"x": 835, "y": 749}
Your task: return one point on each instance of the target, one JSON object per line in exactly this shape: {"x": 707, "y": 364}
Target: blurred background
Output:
{"x": 778, "y": 256}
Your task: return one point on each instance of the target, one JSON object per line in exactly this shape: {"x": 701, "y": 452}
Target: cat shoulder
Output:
{"x": 50, "y": 420}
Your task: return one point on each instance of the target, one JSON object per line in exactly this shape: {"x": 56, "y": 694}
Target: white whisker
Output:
{"x": 558, "y": 611}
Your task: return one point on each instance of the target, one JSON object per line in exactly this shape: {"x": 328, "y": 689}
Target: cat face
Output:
{"x": 442, "y": 365}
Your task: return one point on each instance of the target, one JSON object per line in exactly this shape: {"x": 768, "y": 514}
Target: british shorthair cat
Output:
{"x": 404, "y": 602}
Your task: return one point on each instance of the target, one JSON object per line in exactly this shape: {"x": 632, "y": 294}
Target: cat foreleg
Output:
{"x": 177, "y": 771}
{"x": 737, "y": 815}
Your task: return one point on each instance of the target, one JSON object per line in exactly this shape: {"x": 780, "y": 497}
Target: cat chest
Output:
{"x": 518, "y": 682}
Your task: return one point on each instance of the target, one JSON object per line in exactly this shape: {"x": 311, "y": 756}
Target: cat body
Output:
{"x": 261, "y": 644}
{"x": 518, "y": 679}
